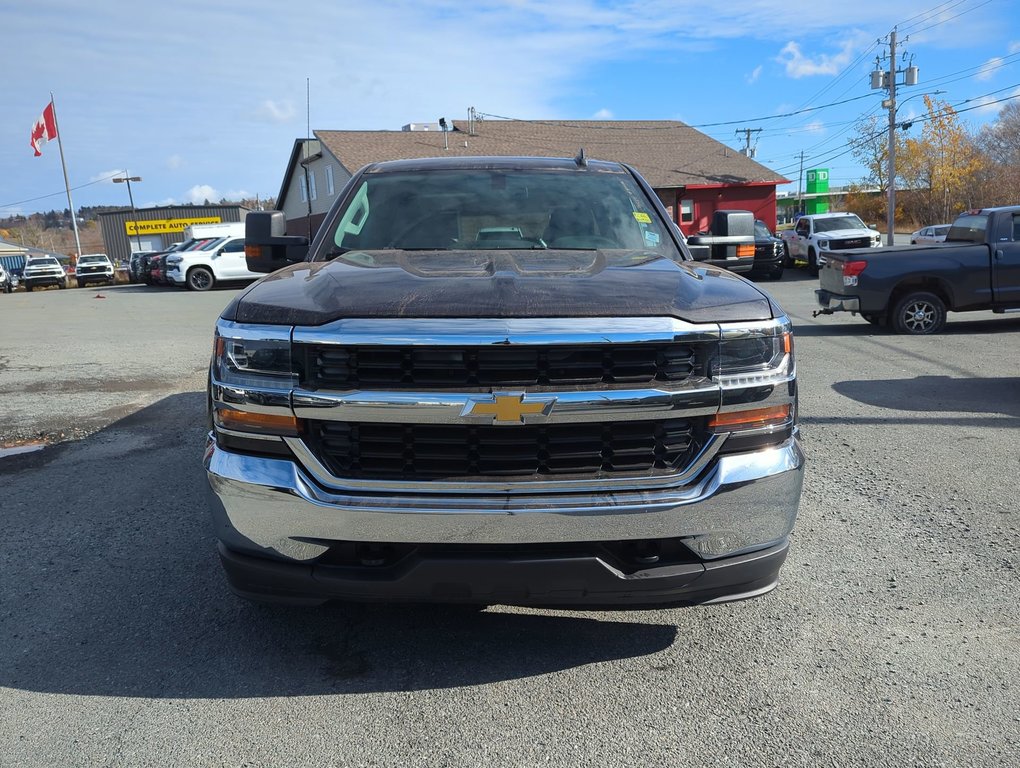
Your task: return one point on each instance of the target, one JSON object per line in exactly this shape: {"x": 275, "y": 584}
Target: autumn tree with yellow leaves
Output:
{"x": 942, "y": 167}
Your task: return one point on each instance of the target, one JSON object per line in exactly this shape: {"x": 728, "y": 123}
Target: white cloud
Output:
{"x": 988, "y": 69}
{"x": 199, "y": 193}
{"x": 798, "y": 65}
{"x": 275, "y": 112}
{"x": 815, "y": 126}
{"x": 1014, "y": 47}
{"x": 107, "y": 175}
{"x": 602, "y": 114}
{"x": 753, "y": 77}
{"x": 991, "y": 105}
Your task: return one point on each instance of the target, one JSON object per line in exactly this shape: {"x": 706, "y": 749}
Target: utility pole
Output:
{"x": 748, "y": 150}
{"x": 887, "y": 79}
{"x": 800, "y": 182}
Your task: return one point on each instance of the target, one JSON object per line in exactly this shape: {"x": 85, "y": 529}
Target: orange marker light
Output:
{"x": 757, "y": 417}
{"x": 268, "y": 423}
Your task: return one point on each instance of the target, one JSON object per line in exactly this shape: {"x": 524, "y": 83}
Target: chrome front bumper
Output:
{"x": 272, "y": 508}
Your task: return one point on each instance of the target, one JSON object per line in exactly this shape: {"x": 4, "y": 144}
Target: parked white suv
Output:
{"x": 43, "y": 270}
{"x": 201, "y": 267}
{"x": 93, "y": 268}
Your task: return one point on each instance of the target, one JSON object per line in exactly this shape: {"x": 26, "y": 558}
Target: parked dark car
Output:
{"x": 770, "y": 253}
{"x": 135, "y": 265}
{"x": 157, "y": 269}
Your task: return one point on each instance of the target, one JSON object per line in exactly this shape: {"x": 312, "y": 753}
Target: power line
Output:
{"x": 54, "y": 194}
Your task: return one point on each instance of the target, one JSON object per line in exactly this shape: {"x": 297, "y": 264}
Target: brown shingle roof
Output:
{"x": 665, "y": 152}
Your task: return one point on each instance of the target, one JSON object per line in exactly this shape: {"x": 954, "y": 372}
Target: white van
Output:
{"x": 214, "y": 254}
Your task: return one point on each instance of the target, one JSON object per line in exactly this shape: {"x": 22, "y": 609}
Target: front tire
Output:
{"x": 82, "y": 283}
{"x": 919, "y": 313}
{"x": 200, "y": 279}
{"x": 812, "y": 262}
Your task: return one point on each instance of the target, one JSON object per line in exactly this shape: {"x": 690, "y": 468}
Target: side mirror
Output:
{"x": 732, "y": 236}
{"x": 267, "y": 247}
{"x": 700, "y": 252}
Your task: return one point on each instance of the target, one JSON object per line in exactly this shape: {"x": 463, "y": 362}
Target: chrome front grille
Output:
{"x": 374, "y": 450}
{"x": 364, "y": 367}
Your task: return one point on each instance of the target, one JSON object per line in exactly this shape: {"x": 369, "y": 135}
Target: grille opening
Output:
{"x": 323, "y": 366}
{"x": 626, "y": 556}
{"x": 369, "y": 450}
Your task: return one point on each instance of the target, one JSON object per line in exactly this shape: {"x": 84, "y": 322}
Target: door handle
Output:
{"x": 998, "y": 253}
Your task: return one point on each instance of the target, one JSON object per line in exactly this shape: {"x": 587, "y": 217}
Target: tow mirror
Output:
{"x": 267, "y": 247}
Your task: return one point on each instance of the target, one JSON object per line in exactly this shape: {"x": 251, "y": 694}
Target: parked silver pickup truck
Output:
{"x": 500, "y": 380}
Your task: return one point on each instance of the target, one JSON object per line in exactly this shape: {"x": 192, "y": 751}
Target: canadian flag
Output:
{"x": 45, "y": 129}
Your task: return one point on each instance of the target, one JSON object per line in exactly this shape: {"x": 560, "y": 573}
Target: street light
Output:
{"x": 128, "y": 179}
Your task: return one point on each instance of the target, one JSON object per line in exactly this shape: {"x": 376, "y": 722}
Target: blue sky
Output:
{"x": 205, "y": 99}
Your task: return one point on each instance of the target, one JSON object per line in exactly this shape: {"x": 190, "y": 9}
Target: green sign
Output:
{"x": 817, "y": 188}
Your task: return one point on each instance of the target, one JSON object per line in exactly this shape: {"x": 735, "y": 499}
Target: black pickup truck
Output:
{"x": 911, "y": 288}
{"x": 500, "y": 380}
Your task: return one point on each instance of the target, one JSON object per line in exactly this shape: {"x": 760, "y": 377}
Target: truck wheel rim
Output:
{"x": 200, "y": 280}
{"x": 919, "y": 316}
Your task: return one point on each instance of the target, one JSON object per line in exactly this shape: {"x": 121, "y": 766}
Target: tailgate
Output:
{"x": 830, "y": 274}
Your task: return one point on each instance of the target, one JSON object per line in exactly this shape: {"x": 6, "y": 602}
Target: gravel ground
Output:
{"x": 891, "y": 640}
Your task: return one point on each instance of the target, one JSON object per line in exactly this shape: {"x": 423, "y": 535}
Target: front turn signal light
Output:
{"x": 751, "y": 419}
{"x": 263, "y": 423}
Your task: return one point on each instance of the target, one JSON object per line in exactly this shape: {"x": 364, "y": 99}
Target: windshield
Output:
{"x": 850, "y": 221}
{"x": 92, "y": 260}
{"x": 44, "y": 262}
{"x": 761, "y": 230}
{"x": 453, "y": 209}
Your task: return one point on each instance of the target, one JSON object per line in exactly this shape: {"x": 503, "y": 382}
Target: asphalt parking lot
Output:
{"x": 893, "y": 638}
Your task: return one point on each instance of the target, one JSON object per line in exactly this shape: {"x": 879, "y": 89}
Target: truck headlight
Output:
{"x": 173, "y": 260}
{"x": 251, "y": 381}
{"x": 755, "y": 357}
{"x": 253, "y": 356}
{"x": 823, "y": 244}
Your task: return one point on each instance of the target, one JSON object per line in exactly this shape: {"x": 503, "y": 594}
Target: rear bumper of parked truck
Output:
{"x": 723, "y": 536}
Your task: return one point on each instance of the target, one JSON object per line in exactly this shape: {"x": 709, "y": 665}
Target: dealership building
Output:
{"x": 155, "y": 229}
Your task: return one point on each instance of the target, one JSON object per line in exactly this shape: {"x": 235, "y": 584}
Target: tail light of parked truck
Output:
{"x": 851, "y": 269}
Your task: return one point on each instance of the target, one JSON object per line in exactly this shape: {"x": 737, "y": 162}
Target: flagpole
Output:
{"x": 67, "y": 184}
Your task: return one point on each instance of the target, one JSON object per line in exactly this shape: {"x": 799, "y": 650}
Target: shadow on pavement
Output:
{"x": 937, "y": 394}
{"x": 111, "y": 587}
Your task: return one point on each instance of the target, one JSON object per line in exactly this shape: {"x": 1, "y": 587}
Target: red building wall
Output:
{"x": 760, "y": 199}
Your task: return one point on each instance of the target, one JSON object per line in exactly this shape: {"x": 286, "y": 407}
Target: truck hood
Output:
{"x": 846, "y": 234}
{"x": 467, "y": 284}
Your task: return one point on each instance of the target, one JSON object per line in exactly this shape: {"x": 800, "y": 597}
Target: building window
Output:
{"x": 311, "y": 183}
{"x": 304, "y": 189}
{"x": 686, "y": 211}
{"x": 330, "y": 189}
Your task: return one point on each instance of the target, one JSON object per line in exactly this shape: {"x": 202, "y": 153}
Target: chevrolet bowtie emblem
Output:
{"x": 509, "y": 409}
